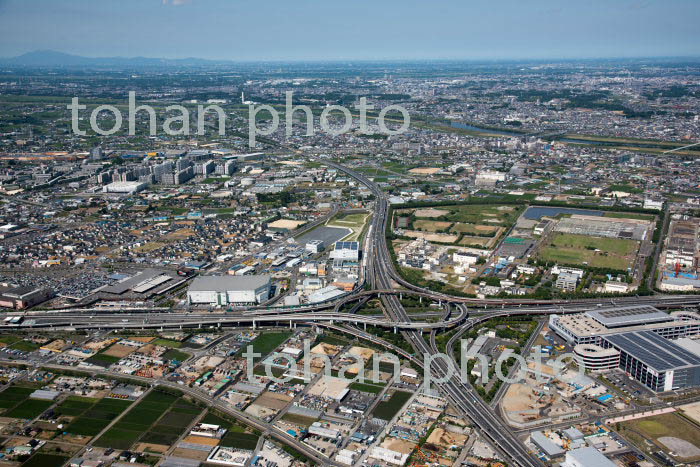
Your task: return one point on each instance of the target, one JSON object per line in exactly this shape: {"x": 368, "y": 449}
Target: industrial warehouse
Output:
{"x": 589, "y": 327}
{"x": 637, "y": 340}
{"x": 228, "y": 290}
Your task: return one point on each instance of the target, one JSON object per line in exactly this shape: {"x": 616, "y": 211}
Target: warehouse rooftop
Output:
{"x": 629, "y": 316}
{"x": 228, "y": 283}
{"x": 653, "y": 350}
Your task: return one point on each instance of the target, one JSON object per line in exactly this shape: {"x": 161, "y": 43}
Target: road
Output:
{"x": 461, "y": 394}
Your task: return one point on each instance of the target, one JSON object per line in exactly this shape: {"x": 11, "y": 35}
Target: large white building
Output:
{"x": 346, "y": 251}
{"x": 586, "y": 457}
{"x": 124, "y": 187}
{"x": 228, "y": 290}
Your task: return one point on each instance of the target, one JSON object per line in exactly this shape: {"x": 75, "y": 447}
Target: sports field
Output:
{"x": 669, "y": 431}
{"x": 613, "y": 253}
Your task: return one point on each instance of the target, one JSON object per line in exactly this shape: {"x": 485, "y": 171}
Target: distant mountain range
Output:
{"x": 53, "y": 59}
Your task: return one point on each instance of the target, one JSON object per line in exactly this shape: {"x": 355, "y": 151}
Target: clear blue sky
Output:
{"x": 352, "y": 29}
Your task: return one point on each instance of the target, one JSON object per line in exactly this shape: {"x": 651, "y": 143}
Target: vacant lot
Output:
{"x": 266, "y": 343}
{"x": 430, "y": 212}
{"x": 475, "y": 229}
{"x": 119, "y": 350}
{"x": 355, "y": 222}
{"x": 432, "y": 237}
{"x": 388, "y": 409}
{"x": 168, "y": 343}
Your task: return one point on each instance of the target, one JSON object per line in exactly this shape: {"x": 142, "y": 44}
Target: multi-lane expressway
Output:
{"x": 380, "y": 273}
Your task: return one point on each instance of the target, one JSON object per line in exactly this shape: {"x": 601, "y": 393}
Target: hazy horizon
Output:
{"x": 245, "y": 30}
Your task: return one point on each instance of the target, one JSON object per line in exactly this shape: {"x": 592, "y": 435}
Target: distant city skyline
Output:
{"x": 245, "y": 30}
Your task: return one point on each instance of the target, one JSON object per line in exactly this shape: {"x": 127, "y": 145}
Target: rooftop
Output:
{"x": 656, "y": 352}
{"x": 228, "y": 283}
{"x": 628, "y": 316}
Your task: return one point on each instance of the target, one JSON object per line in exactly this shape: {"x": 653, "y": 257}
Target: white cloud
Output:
{"x": 175, "y": 2}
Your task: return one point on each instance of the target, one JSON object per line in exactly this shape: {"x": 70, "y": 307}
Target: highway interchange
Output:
{"x": 383, "y": 278}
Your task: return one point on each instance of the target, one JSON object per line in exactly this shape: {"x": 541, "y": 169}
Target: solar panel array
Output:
{"x": 643, "y": 314}
{"x": 653, "y": 350}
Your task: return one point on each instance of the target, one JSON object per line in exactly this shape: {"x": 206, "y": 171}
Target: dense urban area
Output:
{"x": 512, "y": 280}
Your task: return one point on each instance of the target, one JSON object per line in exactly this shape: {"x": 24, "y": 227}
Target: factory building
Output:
{"x": 229, "y": 290}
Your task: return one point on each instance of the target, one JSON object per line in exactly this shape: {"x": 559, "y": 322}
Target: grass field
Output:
{"x": 18, "y": 343}
{"x": 266, "y": 343}
{"x": 431, "y": 226}
{"x": 354, "y": 221}
{"x": 388, "y": 409}
{"x": 661, "y": 426}
{"x": 370, "y": 388}
{"x": 238, "y": 437}
{"x": 482, "y": 214}
{"x": 472, "y": 229}
{"x": 168, "y": 343}
{"x": 173, "y": 354}
{"x": 614, "y": 253}
{"x": 103, "y": 359}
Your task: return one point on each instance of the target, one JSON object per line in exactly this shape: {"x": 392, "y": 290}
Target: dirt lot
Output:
{"x": 692, "y": 411}
{"x": 145, "y": 447}
{"x": 286, "y": 224}
{"x": 431, "y": 226}
{"x": 430, "y": 212}
{"x": 145, "y": 340}
{"x": 435, "y": 237}
{"x": 273, "y": 400}
{"x": 190, "y": 454}
{"x": 425, "y": 170}
{"x": 201, "y": 440}
{"x": 119, "y": 350}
